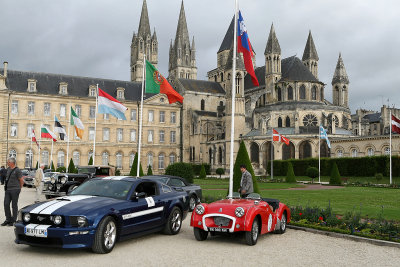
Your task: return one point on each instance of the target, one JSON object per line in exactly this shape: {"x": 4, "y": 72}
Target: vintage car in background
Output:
{"x": 61, "y": 184}
{"x": 29, "y": 177}
{"x": 252, "y": 215}
{"x": 101, "y": 212}
{"x": 193, "y": 190}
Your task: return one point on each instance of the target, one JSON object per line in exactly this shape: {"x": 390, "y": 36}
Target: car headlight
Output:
{"x": 63, "y": 180}
{"x": 50, "y": 187}
{"x": 81, "y": 221}
{"x": 239, "y": 212}
{"x": 53, "y": 180}
{"x": 56, "y": 219}
{"x": 26, "y": 217}
{"x": 200, "y": 209}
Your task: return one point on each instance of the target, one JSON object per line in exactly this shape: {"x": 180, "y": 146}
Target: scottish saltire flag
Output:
{"x": 58, "y": 128}
{"x": 324, "y": 135}
{"x": 244, "y": 47}
{"x": 109, "y": 105}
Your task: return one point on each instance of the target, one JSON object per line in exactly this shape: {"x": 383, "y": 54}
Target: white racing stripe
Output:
{"x": 141, "y": 213}
{"x": 43, "y": 206}
{"x": 49, "y": 207}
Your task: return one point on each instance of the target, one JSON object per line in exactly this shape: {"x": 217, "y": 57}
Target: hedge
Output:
{"x": 197, "y": 168}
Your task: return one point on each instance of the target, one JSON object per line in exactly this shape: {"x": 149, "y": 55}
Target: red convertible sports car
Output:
{"x": 253, "y": 215}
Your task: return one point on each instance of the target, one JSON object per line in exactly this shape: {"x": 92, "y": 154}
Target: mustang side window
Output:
{"x": 166, "y": 188}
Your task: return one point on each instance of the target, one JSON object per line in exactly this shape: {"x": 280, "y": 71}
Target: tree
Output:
{"x": 290, "y": 177}
{"x": 61, "y": 169}
{"x": 181, "y": 169}
{"x": 335, "y": 175}
{"x": 37, "y": 165}
{"x": 149, "y": 170}
{"x": 90, "y": 160}
{"x": 52, "y": 167}
{"x": 71, "y": 167}
{"x": 220, "y": 171}
{"x": 242, "y": 157}
{"x": 312, "y": 172}
{"x": 203, "y": 174}
{"x": 133, "y": 171}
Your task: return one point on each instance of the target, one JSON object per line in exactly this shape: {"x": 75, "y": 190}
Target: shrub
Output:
{"x": 290, "y": 177}
{"x": 312, "y": 172}
{"x": 203, "y": 174}
{"x": 149, "y": 170}
{"x": 242, "y": 157}
{"x": 52, "y": 166}
{"x": 220, "y": 171}
{"x": 37, "y": 165}
{"x": 61, "y": 169}
{"x": 181, "y": 169}
{"x": 378, "y": 176}
{"x": 197, "y": 168}
{"x": 90, "y": 160}
{"x": 335, "y": 175}
{"x": 133, "y": 171}
{"x": 117, "y": 172}
{"x": 71, "y": 167}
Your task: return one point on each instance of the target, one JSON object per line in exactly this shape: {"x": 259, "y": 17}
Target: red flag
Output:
{"x": 395, "y": 124}
{"x": 279, "y": 137}
{"x": 34, "y": 138}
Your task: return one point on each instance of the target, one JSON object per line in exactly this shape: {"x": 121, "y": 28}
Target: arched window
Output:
{"x": 119, "y": 160}
{"x": 314, "y": 93}
{"x": 386, "y": 150}
{"x": 354, "y": 152}
{"x": 28, "y": 159}
{"x": 279, "y": 94}
{"x": 12, "y": 154}
{"x": 339, "y": 153}
{"x": 150, "y": 159}
{"x": 172, "y": 158}
{"x": 279, "y": 122}
{"x": 238, "y": 81}
{"x": 45, "y": 157}
{"x": 161, "y": 158}
{"x": 60, "y": 159}
{"x": 76, "y": 157}
{"x": 302, "y": 92}
{"x": 290, "y": 93}
{"x": 131, "y": 159}
{"x": 287, "y": 123}
{"x": 202, "y": 104}
{"x": 370, "y": 151}
{"x": 104, "y": 158}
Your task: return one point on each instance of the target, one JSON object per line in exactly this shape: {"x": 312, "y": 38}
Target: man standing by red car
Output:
{"x": 246, "y": 183}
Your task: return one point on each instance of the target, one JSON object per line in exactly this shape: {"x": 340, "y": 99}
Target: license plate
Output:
{"x": 36, "y": 230}
{"x": 217, "y": 229}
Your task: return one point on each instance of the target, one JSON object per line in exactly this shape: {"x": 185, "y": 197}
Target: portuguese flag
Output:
{"x": 157, "y": 84}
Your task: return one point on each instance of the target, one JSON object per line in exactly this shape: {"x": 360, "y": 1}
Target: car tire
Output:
{"x": 200, "y": 234}
{"x": 174, "y": 222}
{"x": 282, "y": 227}
{"x": 252, "y": 236}
{"x": 48, "y": 196}
{"x": 106, "y": 236}
{"x": 192, "y": 202}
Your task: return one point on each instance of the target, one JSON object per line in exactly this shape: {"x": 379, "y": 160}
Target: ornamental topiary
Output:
{"x": 71, "y": 167}
{"x": 335, "y": 175}
{"x": 290, "y": 177}
{"x": 242, "y": 157}
{"x": 90, "y": 161}
{"x": 181, "y": 169}
{"x": 149, "y": 170}
{"x": 220, "y": 171}
{"x": 203, "y": 174}
{"x": 133, "y": 171}
{"x": 312, "y": 172}
{"x": 61, "y": 169}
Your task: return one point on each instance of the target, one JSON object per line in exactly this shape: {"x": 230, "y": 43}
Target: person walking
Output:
{"x": 39, "y": 182}
{"x": 3, "y": 173}
{"x": 246, "y": 183}
{"x": 12, "y": 186}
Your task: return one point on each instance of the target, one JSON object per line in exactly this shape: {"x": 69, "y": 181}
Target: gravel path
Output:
{"x": 294, "y": 248}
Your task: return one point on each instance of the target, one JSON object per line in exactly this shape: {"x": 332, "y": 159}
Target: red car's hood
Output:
{"x": 229, "y": 205}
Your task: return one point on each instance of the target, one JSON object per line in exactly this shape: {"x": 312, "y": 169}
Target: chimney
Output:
{"x": 5, "y": 68}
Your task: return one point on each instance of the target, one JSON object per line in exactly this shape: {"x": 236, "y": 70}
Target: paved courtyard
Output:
{"x": 294, "y": 248}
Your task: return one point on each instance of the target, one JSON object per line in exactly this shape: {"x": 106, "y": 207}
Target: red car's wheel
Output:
{"x": 200, "y": 234}
{"x": 282, "y": 227}
{"x": 252, "y": 236}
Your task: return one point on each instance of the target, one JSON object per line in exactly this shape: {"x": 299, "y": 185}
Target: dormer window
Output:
{"x": 31, "y": 85}
{"x": 120, "y": 93}
{"x": 92, "y": 91}
{"x": 63, "y": 88}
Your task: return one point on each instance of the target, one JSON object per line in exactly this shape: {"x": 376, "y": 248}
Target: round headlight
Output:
{"x": 27, "y": 217}
{"x": 50, "y": 187}
{"x": 200, "y": 209}
{"x": 81, "y": 221}
{"x": 63, "y": 180}
{"x": 57, "y": 219}
{"x": 239, "y": 212}
{"x": 53, "y": 180}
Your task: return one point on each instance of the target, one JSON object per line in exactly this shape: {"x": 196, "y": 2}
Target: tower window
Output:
{"x": 302, "y": 92}
{"x": 202, "y": 104}
{"x": 314, "y": 93}
{"x": 290, "y": 93}
{"x": 279, "y": 122}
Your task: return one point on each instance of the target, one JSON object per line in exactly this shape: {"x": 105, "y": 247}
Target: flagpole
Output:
{"x": 39, "y": 150}
{"x": 31, "y": 155}
{"x": 390, "y": 146}
{"x": 272, "y": 153}
{"x": 141, "y": 117}
{"x": 52, "y": 142}
{"x": 319, "y": 155}
{"x": 233, "y": 102}
{"x": 68, "y": 136}
{"x": 95, "y": 124}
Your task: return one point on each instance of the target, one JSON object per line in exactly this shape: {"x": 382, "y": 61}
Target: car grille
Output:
{"x": 44, "y": 219}
{"x": 221, "y": 221}
{"x": 49, "y": 241}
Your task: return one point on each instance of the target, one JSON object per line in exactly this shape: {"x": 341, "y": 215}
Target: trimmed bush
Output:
{"x": 203, "y": 174}
{"x": 71, "y": 167}
{"x": 220, "y": 171}
{"x": 312, "y": 172}
{"x": 61, "y": 169}
{"x": 149, "y": 170}
{"x": 181, "y": 169}
{"x": 290, "y": 177}
{"x": 52, "y": 167}
{"x": 197, "y": 168}
{"x": 90, "y": 160}
{"x": 37, "y": 165}
{"x": 335, "y": 175}
{"x": 133, "y": 171}
{"x": 242, "y": 157}
{"x": 117, "y": 172}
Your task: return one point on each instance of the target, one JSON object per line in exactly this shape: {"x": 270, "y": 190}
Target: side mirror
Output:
{"x": 137, "y": 195}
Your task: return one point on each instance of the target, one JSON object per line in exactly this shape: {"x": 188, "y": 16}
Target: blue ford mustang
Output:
{"x": 102, "y": 211}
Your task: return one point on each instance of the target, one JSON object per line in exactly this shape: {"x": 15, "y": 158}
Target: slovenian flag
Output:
{"x": 77, "y": 123}
{"x": 58, "y": 128}
{"x": 324, "y": 135}
{"x": 244, "y": 47}
{"x": 46, "y": 133}
{"x": 110, "y": 105}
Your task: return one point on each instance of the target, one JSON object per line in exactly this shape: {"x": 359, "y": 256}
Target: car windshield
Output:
{"x": 104, "y": 188}
{"x": 86, "y": 170}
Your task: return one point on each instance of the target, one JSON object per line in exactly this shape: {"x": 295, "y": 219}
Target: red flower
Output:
{"x": 300, "y": 213}
{"x": 320, "y": 218}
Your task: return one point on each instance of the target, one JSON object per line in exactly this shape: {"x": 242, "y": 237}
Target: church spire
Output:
{"x": 340, "y": 85}
{"x": 340, "y": 75}
{"x": 310, "y": 56}
{"x": 144, "y": 24}
{"x": 273, "y": 46}
{"x": 181, "y": 29}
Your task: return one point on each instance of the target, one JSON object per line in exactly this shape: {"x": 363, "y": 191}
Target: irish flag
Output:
{"x": 46, "y": 133}
{"x": 110, "y": 105}
{"x": 157, "y": 84}
{"x": 77, "y": 123}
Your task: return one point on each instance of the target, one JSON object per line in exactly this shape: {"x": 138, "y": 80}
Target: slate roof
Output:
{"x": 375, "y": 117}
{"x": 206, "y": 113}
{"x": 228, "y": 39}
{"x": 48, "y": 83}
{"x": 202, "y": 86}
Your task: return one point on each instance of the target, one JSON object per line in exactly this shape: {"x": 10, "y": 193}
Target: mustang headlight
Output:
{"x": 200, "y": 209}
{"x": 56, "y": 219}
{"x": 239, "y": 212}
{"x": 53, "y": 180}
{"x": 78, "y": 221}
{"x": 26, "y": 217}
{"x": 63, "y": 180}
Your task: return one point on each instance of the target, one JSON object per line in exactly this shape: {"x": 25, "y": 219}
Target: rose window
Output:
{"x": 310, "y": 120}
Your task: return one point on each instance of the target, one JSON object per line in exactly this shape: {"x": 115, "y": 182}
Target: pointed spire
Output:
{"x": 340, "y": 75}
{"x": 309, "y": 51}
{"x": 228, "y": 39}
{"x": 182, "y": 30}
{"x": 273, "y": 46}
{"x": 154, "y": 35}
{"x": 144, "y": 24}
{"x": 193, "y": 46}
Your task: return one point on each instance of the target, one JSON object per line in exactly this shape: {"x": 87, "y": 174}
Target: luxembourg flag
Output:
{"x": 109, "y": 105}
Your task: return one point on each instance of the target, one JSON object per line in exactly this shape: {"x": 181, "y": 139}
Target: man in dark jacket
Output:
{"x": 3, "y": 173}
{"x": 246, "y": 183}
{"x": 12, "y": 186}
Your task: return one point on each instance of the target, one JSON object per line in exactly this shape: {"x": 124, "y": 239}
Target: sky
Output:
{"x": 92, "y": 38}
